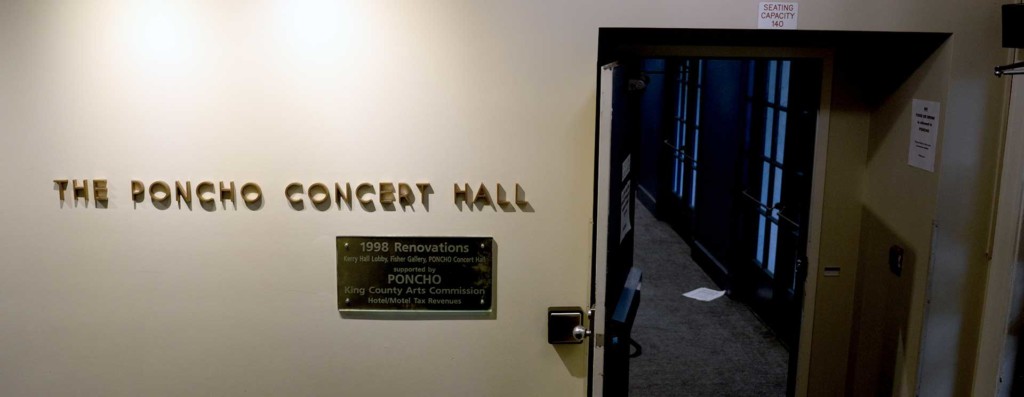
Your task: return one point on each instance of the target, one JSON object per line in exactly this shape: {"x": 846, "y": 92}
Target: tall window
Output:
{"x": 768, "y": 96}
{"x": 687, "y": 130}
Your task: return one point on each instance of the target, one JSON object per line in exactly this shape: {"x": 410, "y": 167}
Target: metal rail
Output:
{"x": 769, "y": 210}
{"x": 1011, "y": 69}
{"x": 681, "y": 152}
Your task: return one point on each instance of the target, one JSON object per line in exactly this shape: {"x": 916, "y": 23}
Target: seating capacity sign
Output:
{"x": 774, "y": 15}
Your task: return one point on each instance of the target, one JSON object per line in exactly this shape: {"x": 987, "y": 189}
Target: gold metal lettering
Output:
{"x": 387, "y": 193}
{"x": 521, "y": 196}
{"x": 227, "y": 193}
{"x": 80, "y": 191}
{"x": 502, "y": 199}
{"x": 253, "y": 190}
{"x": 323, "y": 189}
{"x": 159, "y": 187}
{"x": 360, "y": 193}
{"x": 482, "y": 195}
{"x": 343, "y": 196}
{"x": 405, "y": 196}
{"x": 99, "y": 189}
{"x": 462, "y": 193}
{"x": 138, "y": 191}
{"x": 425, "y": 189}
{"x": 183, "y": 192}
{"x": 62, "y": 185}
{"x": 202, "y": 187}
{"x": 292, "y": 198}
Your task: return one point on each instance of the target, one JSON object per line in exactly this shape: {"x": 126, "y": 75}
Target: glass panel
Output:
{"x": 680, "y": 101}
{"x": 686, "y": 102}
{"x": 760, "y": 239}
{"x": 772, "y": 72}
{"x": 700, "y": 72}
{"x": 700, "y": 79}
{"x": 784, "y": 85}
{"x": 677, "y": 173}
{"x": 769, "y": 122}
{"x": 764, "y": 183}
{"x": 777, "y": 187}
{"x": 693, "y": 189}
{"x": 696, "y": 112}
{"x": 780, "y": 144}
{"x": 680, "y": 167}
{"x": 676, "y": 165}
{"x": 693, "y": 176}
{"x": 772, "y": 245}
{"x": 679, "y": 178}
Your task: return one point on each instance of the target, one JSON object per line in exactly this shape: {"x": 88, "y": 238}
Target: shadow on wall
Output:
{"x": 882, "y": 308}
{"x": 574, "y": 357}
{"x": 887, "y": 118}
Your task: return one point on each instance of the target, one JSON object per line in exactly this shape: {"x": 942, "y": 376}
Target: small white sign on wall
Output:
{"x": 775, "y": 15}
{"x": 924, "y": 130}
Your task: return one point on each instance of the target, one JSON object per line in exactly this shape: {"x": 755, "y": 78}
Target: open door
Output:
{"x": 613, "y": 237}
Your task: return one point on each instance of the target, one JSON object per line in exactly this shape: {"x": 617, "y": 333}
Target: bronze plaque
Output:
{"x": 415, "y": 274}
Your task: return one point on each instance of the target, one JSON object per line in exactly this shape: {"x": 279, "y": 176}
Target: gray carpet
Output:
{"x": 693, "y": 348}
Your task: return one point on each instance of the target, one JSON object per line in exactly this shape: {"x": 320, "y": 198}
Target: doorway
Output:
{"x": 729, "y": 167}
{"x": 725, "y": 150}
{"x": 827, "y": 263}
{"x": 725, "y": 117}
{"x": 721, "y": 150}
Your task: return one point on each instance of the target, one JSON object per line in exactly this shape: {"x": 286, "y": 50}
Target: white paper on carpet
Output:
{"x": 704, "y": 294}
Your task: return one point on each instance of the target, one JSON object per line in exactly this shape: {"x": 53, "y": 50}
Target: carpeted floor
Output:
{"x": 694, "y": 348}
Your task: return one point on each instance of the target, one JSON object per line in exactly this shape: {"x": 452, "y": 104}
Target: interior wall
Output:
{"x": 141, "y": 300}
{"x": 1011, "y": 370}
{"x": 845, "y": 177}
{"x": 1005, "y": 312}
{"x": 144, "y": 301}
{"x": 966, "y": 177}
{"x": 998, "y": 343}
{"x": 899, "y": 203}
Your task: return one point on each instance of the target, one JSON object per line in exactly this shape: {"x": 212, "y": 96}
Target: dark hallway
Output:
{"x": 694, "y": 348}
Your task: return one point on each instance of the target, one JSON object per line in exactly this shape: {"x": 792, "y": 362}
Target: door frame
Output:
{"x": 599, "y": 275}
{"x": 1005, "y": 240}
{"x": 601, "y": 190}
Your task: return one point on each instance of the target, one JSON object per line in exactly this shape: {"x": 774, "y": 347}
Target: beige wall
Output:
{"x": 849, "y": 120}
{"x": 974, "y": 105}
{"x": 899, "y": 203}
{"x": 144, "y": 301}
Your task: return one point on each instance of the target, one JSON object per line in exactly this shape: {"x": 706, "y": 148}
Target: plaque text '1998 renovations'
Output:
{"x": 415, "y": 274}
